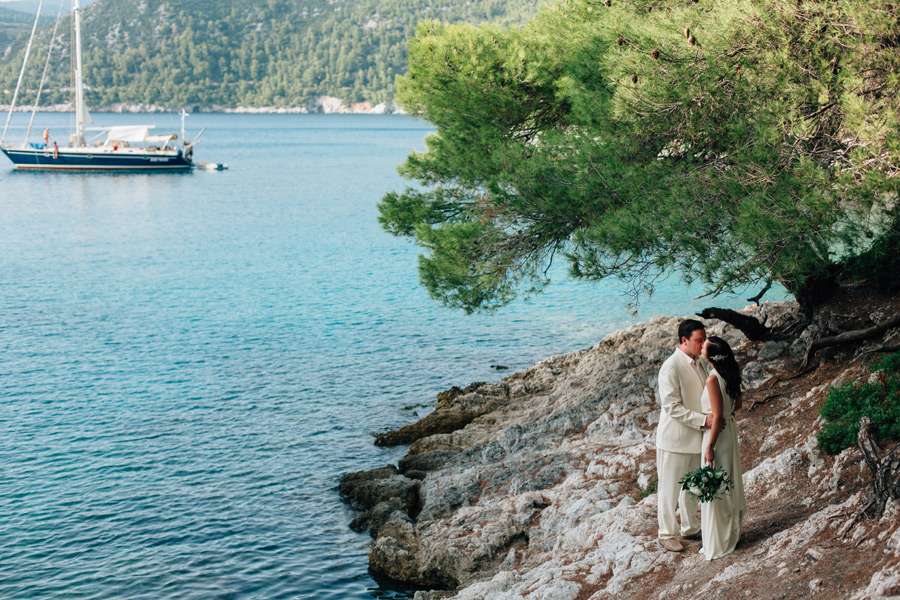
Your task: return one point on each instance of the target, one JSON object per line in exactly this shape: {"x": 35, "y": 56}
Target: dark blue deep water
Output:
{"x": 188, "y": 362}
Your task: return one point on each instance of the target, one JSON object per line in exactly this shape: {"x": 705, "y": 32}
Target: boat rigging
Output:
{"x": 126, "y": 148}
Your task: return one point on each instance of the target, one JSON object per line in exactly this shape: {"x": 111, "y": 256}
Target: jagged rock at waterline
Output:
{"x": 542, "y": 486}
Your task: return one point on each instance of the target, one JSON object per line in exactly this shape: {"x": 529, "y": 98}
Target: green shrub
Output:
{"x": 650, "y": 489}
{"x": 847, "y": 404}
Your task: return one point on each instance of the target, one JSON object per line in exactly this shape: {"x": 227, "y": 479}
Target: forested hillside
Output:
{"x": 240, "y": 53}
{"x": 15, "y": 25}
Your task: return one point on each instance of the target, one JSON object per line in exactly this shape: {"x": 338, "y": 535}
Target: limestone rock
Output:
{"x": 771, "y": 350}
{"x": 456, "y": 408}
{"x": 384, "y": 489}
{"x": 539, "y": 486}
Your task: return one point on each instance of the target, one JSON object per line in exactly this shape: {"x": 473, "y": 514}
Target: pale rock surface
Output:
{"x": 261, "y": 110}
{"x": 541, "y": 491}
{"x": 332, "y": 105}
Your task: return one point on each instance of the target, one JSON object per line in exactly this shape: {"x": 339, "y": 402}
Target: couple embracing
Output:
{"x": 699, "y": 390}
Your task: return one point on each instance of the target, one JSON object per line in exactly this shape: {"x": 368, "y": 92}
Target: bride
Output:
{"x": 720, "y": 519}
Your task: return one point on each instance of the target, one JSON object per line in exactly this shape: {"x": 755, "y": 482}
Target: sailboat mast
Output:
{"x": 79, "y": 77}
{"x": 12, "y": 106}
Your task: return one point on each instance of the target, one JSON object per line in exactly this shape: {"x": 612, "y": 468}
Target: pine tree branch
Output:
{"x": 750, "y": 326}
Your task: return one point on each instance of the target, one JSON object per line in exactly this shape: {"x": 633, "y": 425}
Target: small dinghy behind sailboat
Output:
{"x": 127, "y": 148}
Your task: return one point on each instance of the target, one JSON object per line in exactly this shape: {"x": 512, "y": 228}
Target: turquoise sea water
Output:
{"x": 188, "y": 362}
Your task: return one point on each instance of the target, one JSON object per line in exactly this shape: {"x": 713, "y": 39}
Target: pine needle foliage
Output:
{"x": 732, "y": 143}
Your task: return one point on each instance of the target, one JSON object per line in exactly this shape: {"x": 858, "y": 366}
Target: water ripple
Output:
{"x": 191, "y": 362}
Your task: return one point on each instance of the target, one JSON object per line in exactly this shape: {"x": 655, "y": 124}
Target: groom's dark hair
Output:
{"x": 687, "y": 328}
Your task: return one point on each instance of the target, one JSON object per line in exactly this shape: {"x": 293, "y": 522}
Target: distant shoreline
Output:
{"x": 321, "y": 105}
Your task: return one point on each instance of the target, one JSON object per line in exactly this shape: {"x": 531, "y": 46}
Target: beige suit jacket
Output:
{"x": 681, "y": 418}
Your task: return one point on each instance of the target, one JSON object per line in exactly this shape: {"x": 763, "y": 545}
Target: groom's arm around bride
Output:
{"x": 679, "y": 434}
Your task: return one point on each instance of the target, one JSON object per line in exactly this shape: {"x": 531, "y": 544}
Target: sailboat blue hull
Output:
{"x": 97, "y": 161}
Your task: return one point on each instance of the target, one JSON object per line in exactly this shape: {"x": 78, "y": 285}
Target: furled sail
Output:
{"x": 85, "y": 115}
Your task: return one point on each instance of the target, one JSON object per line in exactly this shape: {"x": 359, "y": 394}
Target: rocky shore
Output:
{"x": 320, "y": 104}
{"x": 542, "y": 486}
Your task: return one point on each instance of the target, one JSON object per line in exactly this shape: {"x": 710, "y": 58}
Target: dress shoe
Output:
{"x": 693, "y": 536}
{"x": 671, "y": 544}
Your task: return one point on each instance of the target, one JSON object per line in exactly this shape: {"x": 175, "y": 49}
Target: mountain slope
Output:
{"x": 235, "y": 53}
{"x": 16, "y": 25}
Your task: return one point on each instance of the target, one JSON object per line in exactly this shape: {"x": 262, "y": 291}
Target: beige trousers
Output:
{"x": 670, "y": 467}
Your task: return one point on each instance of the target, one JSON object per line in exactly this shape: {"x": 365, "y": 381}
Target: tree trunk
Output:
{"x": 812, "y": 293}
{"x": 885, "y": 469}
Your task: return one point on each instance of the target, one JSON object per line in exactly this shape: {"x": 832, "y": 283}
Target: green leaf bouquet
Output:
{"x": 706, "y": 483}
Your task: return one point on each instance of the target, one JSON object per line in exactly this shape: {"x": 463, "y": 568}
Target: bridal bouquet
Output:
{"x": 706, "y": 482}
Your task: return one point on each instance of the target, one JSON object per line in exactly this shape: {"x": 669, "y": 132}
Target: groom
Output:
{"x": 679, "y": 435}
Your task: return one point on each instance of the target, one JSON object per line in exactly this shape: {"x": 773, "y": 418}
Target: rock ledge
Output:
{"x": 542, "y": 486}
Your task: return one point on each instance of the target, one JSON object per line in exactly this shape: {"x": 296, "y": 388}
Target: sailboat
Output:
{"x": 126, "y": 148}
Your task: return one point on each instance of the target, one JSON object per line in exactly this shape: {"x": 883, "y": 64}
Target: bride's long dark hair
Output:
{"x": 722, "y": 358}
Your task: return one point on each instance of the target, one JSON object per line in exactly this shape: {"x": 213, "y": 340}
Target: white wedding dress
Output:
{"x": 720, "y": 519}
